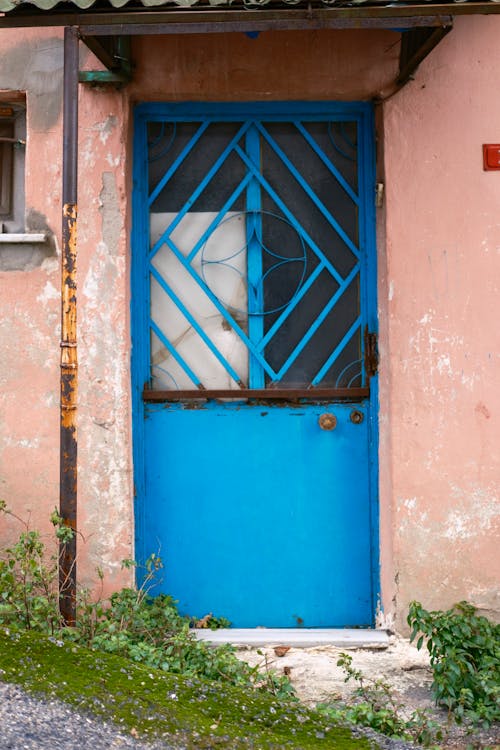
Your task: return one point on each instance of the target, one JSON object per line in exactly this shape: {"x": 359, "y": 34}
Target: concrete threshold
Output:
{"x": 296, "y": 637}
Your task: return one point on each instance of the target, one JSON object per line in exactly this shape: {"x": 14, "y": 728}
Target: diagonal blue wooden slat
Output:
{"x": 309, "y": 191}
{"x": 290, "y": 307}
{"x": 196, "y": 326}
{"x": 338, "y": 349}
{"x": 254, "y": 261}
{"x": 168, "y": 345}
{"x": 326, "y": 161}
{"x": 174, "y": 167}
{"x": 201, "y": 187}
{"x": 220, "y": 216}
{"x": 319, "y": 320}
{"x": 291, "y": 218}
{"x": 220, "y": 307}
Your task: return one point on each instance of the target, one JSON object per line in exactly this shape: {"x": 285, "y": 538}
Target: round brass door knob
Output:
{"x": 327, "y": 421}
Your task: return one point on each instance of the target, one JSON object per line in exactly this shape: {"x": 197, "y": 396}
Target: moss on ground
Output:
{"x": 189, "y": 712}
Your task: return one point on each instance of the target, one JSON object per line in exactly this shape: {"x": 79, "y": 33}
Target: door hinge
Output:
{"x": 371, "y": 353}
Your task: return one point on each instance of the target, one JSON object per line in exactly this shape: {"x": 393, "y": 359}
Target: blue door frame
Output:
{"x": 183, "y": 422}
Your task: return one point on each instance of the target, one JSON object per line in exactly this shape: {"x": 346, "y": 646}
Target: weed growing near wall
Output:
{"x": 376, "y": 706}
{"x": 464, "y": 650}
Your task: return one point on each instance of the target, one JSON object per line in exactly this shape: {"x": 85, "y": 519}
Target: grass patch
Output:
{"x": 193, "y": 712}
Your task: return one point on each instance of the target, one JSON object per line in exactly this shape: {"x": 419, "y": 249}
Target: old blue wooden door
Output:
{"x": 253, "y": 359}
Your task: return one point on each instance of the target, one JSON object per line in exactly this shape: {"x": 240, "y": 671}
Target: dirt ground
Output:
{"x": 317, "y": 678}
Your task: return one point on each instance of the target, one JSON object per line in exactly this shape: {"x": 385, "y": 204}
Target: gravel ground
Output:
{"x": 29, "y": 723}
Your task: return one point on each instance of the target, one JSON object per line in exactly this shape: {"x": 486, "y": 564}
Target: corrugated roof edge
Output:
{"x": 9, "y": 5}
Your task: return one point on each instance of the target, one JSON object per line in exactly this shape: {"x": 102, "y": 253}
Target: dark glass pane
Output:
{"x": 165, "y": 147}
{"x": 338, "y": 142}
{"x": 309, "y": 191}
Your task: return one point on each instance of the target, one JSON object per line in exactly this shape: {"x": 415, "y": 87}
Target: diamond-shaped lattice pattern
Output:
{"x": 255, "y": 260}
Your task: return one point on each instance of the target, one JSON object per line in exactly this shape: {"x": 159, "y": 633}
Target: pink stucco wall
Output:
{"x": 438, "y": 248}
{"x": 441, "y": 334}
{"x": 32, "y": 61}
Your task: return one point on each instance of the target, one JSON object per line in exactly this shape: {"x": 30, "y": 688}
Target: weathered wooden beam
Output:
{"x": 201, "y": 20}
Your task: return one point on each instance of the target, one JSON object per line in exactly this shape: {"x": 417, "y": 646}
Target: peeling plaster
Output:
{"x": 109, "y": 208}
{"x": 105, "y": 128}
{"x": 104, "y": 418}
{"x": 88, "y": 152}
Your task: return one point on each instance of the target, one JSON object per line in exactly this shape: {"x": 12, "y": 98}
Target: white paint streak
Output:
{"x": 49, "y": 292}
{"x": 10, "y": 442}
{"x": 477, "y": 510}
{"x": 443, "y": 365}
{"x": 113, "y": 161}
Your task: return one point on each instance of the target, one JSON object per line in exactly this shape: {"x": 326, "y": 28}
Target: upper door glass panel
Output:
{"x": 255, "y": 264}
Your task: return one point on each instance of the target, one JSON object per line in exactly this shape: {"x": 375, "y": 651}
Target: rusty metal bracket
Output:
{"x": 371, "y": 353}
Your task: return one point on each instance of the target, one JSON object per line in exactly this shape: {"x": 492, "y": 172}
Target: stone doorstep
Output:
{"x": 297, "y": 637}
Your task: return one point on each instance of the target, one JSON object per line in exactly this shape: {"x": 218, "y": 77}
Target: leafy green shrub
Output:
{"x": 464, "y": 650}
{"x": 150, "y": 630}
{"x": 376, "y": 706}
{"x": 28, "y": 581}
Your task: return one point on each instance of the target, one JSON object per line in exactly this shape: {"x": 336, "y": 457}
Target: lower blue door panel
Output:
{"x": 260, "y": 515}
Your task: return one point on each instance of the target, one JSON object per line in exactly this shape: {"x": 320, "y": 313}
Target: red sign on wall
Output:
{"x": 491, "y": 156}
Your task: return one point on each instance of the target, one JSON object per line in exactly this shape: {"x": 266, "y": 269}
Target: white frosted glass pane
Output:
{"x": 221, "y": 262}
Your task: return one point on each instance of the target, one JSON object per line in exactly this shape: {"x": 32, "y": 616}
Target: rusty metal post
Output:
{"x": 69, "y": 360}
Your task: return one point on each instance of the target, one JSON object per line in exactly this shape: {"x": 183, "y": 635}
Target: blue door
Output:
{"x": 254, "y": 359}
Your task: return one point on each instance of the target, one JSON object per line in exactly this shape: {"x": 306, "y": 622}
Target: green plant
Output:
{"x": 376, "y": 706}
{"x": 464, "y": 650}
{"x": 131, "y": 623}
{"x": 29, "y": 577}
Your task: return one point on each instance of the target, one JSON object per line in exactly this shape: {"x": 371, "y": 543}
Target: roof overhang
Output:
{"x": 106, "y": 29}
{"x": 165, "y": 19}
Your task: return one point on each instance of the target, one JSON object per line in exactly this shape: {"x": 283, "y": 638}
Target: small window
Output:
{"x": 12, "y": 149}
{"x": 6, "y": 147}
